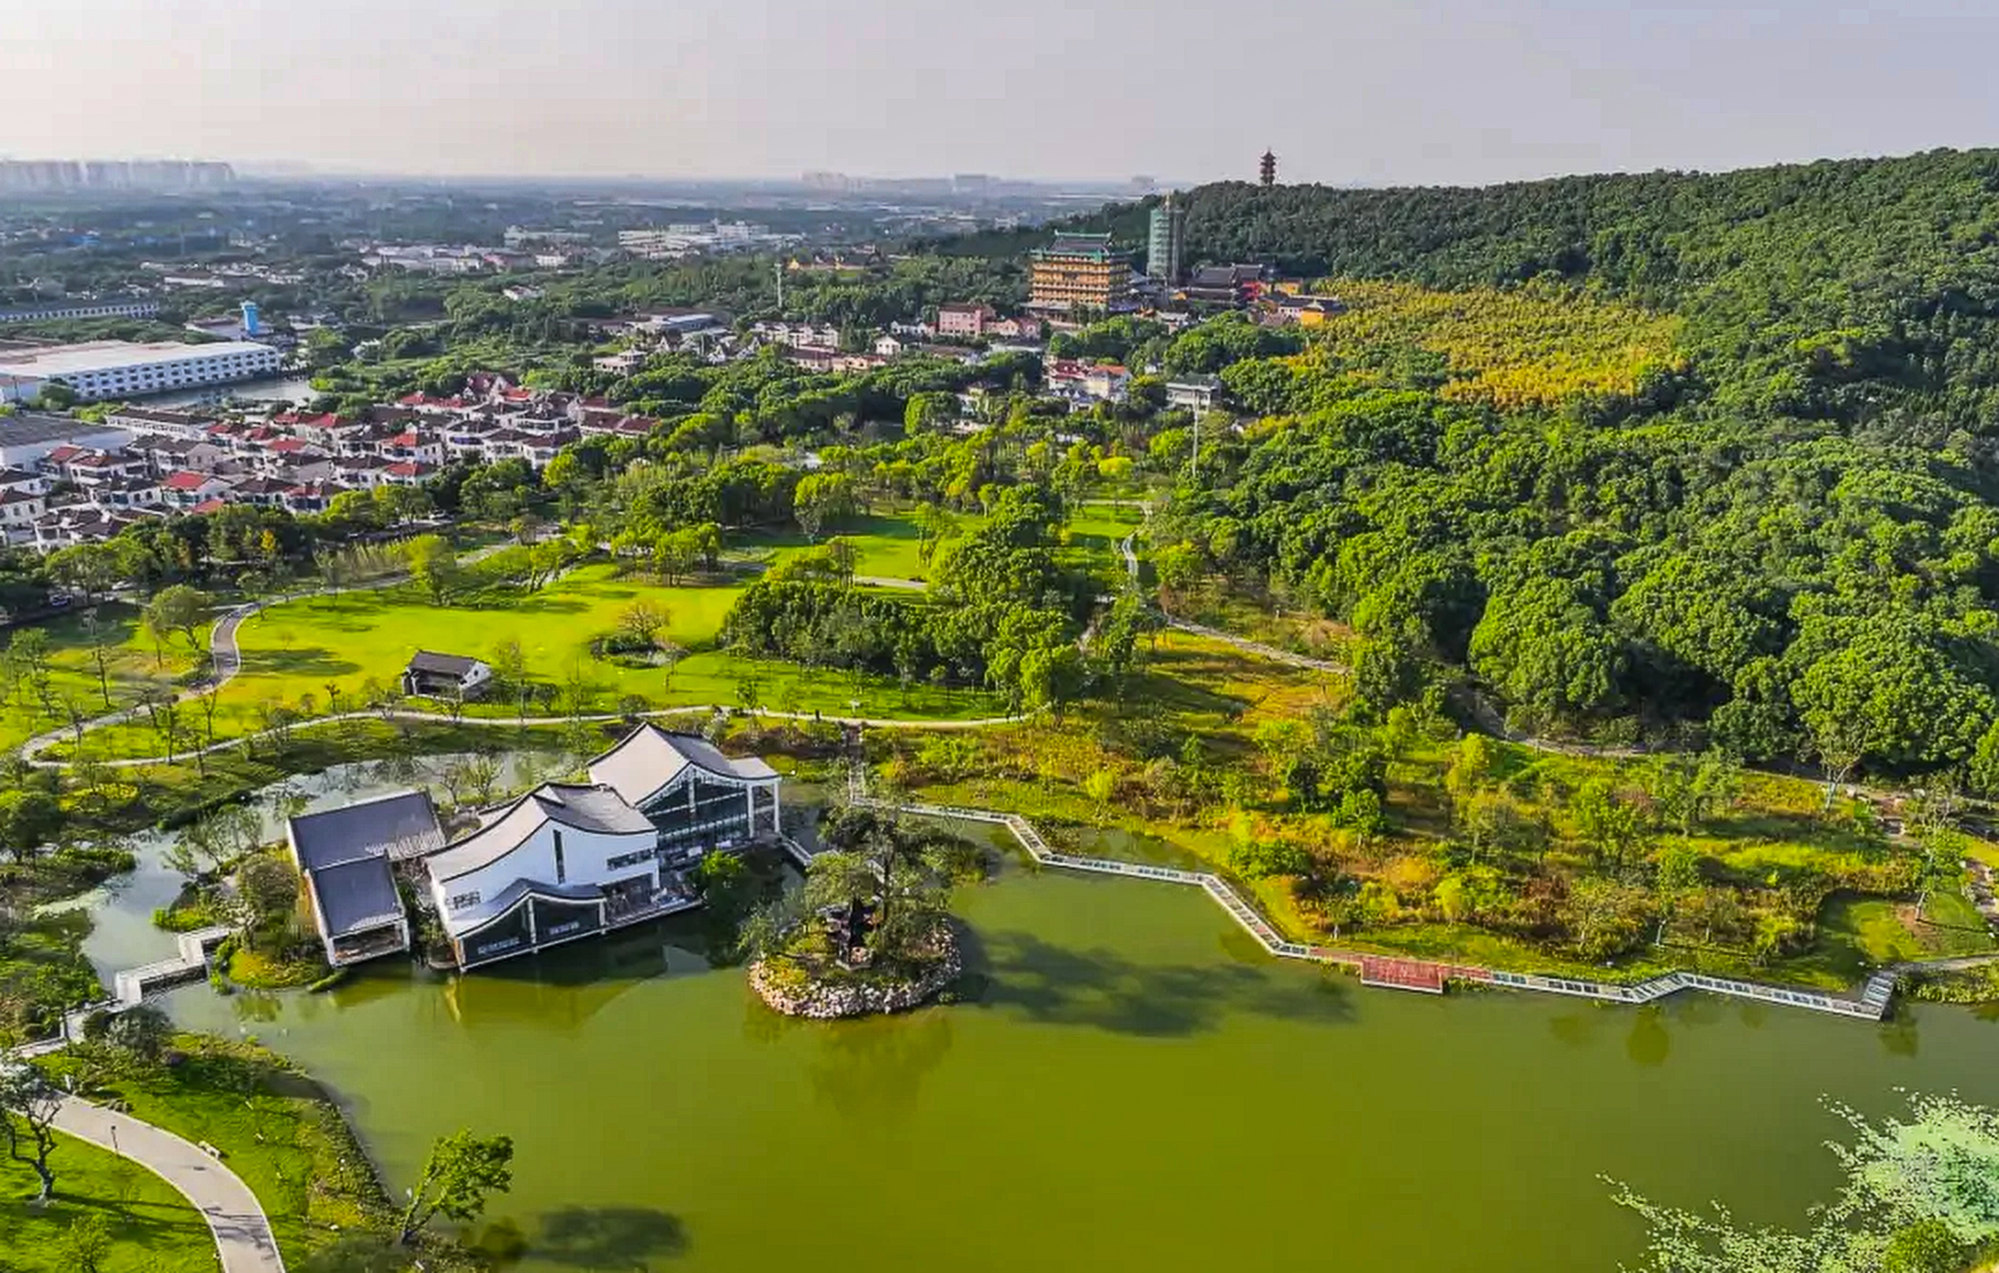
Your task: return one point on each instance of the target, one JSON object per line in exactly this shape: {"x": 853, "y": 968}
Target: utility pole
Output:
{"x": 779, "y": 269}
{"x": 1195, "y": 465}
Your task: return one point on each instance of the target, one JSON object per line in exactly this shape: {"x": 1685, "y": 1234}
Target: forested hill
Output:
{"x": 1864, "y": 291}
{"x": 1716, "y": 454}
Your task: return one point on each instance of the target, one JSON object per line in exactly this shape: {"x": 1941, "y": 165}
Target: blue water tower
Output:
{"x": 251, "y": 327}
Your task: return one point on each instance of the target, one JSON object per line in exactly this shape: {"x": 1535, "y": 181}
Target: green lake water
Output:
{"x": 1134, "y": 1086}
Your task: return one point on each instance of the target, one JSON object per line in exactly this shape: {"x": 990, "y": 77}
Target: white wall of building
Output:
{"x": 586, "y": 859}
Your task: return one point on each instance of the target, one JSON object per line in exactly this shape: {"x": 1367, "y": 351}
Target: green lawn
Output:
{"x": 1859, "y": 934}
{"x": 332, "y": 648}
{"x": 153, "y": 1228}
{"x": 133, "y": 665}
{"x": 887, "y": 545}
{"x": 275, "y": 1129}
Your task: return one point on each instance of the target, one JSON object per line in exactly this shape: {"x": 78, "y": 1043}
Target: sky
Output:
{"x": 1375, "y": 92}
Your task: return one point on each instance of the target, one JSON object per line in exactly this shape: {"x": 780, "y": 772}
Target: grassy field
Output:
{"x": 886, "y": 545}
{"x": 331, "y": 650}
{"x": 153, "y": 1229}
{"x": 1090, "y": 540}
{"x": 321, "y": 653}
{"x": 133, "y": 665}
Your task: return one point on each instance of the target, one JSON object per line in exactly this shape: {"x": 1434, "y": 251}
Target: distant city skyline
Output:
{"x": 1372, "y": 92}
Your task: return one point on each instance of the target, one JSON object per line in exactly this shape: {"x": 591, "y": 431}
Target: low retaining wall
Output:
{"x": 827, "y": 1001}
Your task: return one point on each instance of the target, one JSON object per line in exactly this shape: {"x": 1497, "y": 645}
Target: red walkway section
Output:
{"x": 1403, "y": 974}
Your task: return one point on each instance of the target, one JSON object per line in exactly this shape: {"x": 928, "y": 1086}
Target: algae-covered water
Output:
{"x": 1131, "y": 1085}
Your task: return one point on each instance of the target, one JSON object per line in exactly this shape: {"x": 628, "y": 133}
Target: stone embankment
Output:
{"x": 808, "y": 996}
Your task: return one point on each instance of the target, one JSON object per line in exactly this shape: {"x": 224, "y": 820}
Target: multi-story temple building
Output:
{"x": 1080, "y": 270}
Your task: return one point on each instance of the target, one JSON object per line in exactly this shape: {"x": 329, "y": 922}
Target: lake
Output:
{"x": 1133, "y": 1084}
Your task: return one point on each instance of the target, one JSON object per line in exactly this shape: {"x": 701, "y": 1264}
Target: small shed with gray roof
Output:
{"x": 347, "y": 858}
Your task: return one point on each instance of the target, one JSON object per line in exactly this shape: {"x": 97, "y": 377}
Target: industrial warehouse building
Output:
{"x": 100, "y": 369}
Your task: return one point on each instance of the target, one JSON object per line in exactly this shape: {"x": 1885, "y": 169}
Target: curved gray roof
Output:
{"x": 649, "y": 757}
{"x": 597, "y": 809}
{"x": 496, "y": 908}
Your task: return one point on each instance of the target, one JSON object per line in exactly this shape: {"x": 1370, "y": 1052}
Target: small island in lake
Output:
{"x": 871, "y": 931}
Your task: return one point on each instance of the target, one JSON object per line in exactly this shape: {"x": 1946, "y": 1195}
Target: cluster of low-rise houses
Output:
{"x": 65, "y": 481}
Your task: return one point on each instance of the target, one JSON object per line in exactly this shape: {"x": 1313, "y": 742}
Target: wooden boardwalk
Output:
{"x": 1388, "y": 972}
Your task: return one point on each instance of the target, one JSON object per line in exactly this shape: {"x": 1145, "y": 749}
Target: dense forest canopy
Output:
{"x": 1701, "y": 452}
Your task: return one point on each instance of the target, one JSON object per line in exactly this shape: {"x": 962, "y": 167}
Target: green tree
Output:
{"x": 822, "y": 500}
{"x": 1604, "y": 917}
{"x": 1613, "y": 829}
{"x": 460, "y": 1173}
{"x": 86, "y": 1244}
{"x": 142, "y": 1032}
{"x": 643, "y": 621}
{"x": 1919, "y": 1194}
{"x": 1687, "y": 792}
{"x": 269, "y": 888}
{"x": 1544, "y": 647}
{"x": 29, "y": 818}
{"x": 433, "y": 564}
{"x": 28, "y": 1107}
{"x": 179, "y": 608}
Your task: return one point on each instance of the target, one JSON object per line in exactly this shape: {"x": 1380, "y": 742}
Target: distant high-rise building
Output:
{"x": 1162, "y": 248}
{"x": 1080, "y": 270}
{"x": 1267, "y": 169}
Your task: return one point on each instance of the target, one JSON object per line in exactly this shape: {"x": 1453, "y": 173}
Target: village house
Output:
{"x": 128, "y": 493}
{"x": 1194, "y": 393}
{"x": 18, "y": 510}
{"x": 456, "y": 676}
{"x": 1085, "y": 381}
{"x": 186, "y": 488}
{"x": 965, "y": 322}
{"x": 186, "y": 425}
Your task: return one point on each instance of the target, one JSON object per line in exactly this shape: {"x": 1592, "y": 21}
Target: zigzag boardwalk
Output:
{"x": 1383, "y": 971}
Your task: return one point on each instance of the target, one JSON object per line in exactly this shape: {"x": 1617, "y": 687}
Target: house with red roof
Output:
{"x": 188, "y": 489}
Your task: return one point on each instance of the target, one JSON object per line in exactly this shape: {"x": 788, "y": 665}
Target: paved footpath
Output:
{"x": 243, "y": 1235}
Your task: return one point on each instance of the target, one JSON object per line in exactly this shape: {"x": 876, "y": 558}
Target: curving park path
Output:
{"x": 243, "y": 1237}
{"x": 225, "y": 660}
{"x": 30, "y": 749}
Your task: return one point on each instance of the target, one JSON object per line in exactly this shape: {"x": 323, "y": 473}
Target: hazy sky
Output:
{"x": 1373, "y": 91}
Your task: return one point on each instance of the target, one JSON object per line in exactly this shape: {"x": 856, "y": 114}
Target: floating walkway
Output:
{"x": 1387, "y": 972}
